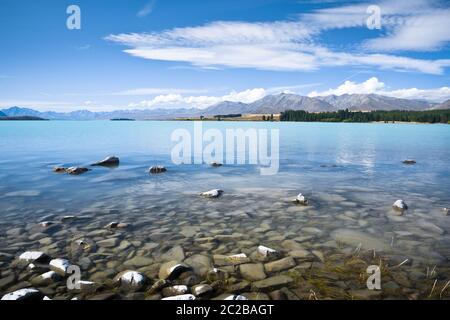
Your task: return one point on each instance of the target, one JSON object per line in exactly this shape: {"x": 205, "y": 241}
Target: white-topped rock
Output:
{"x": 34, "y": 256}
{"x": 301, "y": 199}
{"x": 215, "y": 193}
{"x": 400, "y": 206}
{"x": 181, "y": 297}
{"x": 175, "y": 290}
{"x": 267, "y": 252}
{"x": 131, "y": 280}
{"x": 108, "y": 161}
{"x": 172, "y": 269}
{"x": 23, "y": 294}
{"x": 202, "y": 290}
{"x": 235, "y": 297}
{"x": 60, "y": 266}
{"x": 76, "y": 170}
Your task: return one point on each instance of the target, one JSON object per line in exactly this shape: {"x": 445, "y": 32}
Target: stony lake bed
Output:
{"x": 137, "y": 235}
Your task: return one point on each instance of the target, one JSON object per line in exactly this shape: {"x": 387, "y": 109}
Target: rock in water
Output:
{"x": 59, "y": 169}
{"x": 181, "y": 297}
{"x": 131, "y": 280}
{"x": 235, "y": 297}
{"x": 202, "y": 290}
{"x": 35, "y": 257}
{"x": 267, "y": 252}
{"x": 409, "y": 161}
{"x": 157, "y": 169}
{"x": 215, "y": 193}
{"x": 76, "y": 170}
{"x": 215, "y": 164}
{"x": 175, "y": 291}
{"x": 400, "y": 206}
{"x": 46, "y": 278}
{"x": 24, "y": 294}
{"x": 110, "y": 161}
{"x": 60, "y": 266}
{"x": 301, "y": 199}
{"x": 172, "y": 270}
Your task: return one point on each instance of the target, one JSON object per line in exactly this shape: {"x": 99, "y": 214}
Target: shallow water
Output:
{"x": 351, "y": 173}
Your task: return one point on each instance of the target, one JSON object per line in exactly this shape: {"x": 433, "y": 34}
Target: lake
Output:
{"x": 351, "y": 174}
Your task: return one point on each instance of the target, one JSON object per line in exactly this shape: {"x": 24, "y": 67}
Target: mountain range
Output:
{"x": 271, "y": 104}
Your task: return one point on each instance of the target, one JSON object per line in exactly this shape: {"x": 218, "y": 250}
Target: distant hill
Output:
{"x": 2, "y": 114}
{"x": 271, "y": 104}
{"x": 443, "y": 105}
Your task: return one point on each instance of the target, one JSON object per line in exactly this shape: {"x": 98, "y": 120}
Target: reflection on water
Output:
{"x": 352, "y": 173}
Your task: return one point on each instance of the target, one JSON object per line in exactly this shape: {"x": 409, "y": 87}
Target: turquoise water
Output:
{"x": 352, "y": 174}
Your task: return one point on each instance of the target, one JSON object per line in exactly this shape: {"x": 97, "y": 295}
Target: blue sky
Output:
{"x": 177, "y": 53}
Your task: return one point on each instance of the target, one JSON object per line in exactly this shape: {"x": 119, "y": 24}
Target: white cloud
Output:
{"x": 374, "y": 86}
{"x": 295, "y": 46}
{"x": 146, "y": 10}
{"x": 178, "y": 100}
{"x": 286, "y": 46}
{"x": 371, "y": 85}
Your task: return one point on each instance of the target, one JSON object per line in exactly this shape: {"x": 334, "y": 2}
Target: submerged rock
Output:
{"x": 110, "y": 161}
{"x": 24, "y": 294}
{"x": 181, "y": 297}
{"x": 35, "y": 257}
{"x": 272, "y": 283}
{"x": 175, "y": 290}
{"x": 235, "y": 297}
{"x": 131, "y": 280}
{"x": 267, "y": 252}
{"x": 60, "y": 266}
{"x": 46, "y": 278}
{"x": 217, "y": 275}
{"x": 215, "y": 193}
{"x": 235, "y": 259}
{"x": 409, "y": 161}
{"x": 252, "y": 271}
{"x": 157, "y": 169}
{"x": 116, "y": 225}
{"x": 280, "y": 265}
{"x": 400, "y": 206}
{"x": 172, "y": 270}
{"x": 202, "y": 290}
{"x": 301, "y": 199}
{"x": 357, "y": 238}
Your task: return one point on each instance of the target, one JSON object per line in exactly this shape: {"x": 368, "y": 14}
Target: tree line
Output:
{"x": 429, "y": 116}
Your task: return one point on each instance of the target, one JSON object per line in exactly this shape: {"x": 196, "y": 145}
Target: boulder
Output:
{"x": 235, "y": 297}
{"x": 34, "y": 257}
{"x": 110, "y": 161}
{"x": 181, "y": 297}
{"x": 280, "y": 265}
{"x": 272, "y": 283}
{"x": 202, "y": 290}
{"x": 301, "y": 199}
{"x": 131, "y": 280}
{"x": 215, "y": 193}
{"x": 267, "y": 253}
{"x": 60, "y": 266}
{"x": 252, "y": 271}
{"x": 46, "y": 278}
{"x": 157, "y": 169}
{"x": 235, "y": 259}
{"x": 400, "y": 206}
{"x": 175, "y": 290}
{"x": 24, "y": 294}
{"x": 215, "y": 164}
{"x": 172, "y": 270}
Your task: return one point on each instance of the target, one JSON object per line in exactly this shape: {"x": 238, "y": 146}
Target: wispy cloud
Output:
{"x": 295, "y": 45}
{"x": 147, "y": 9}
